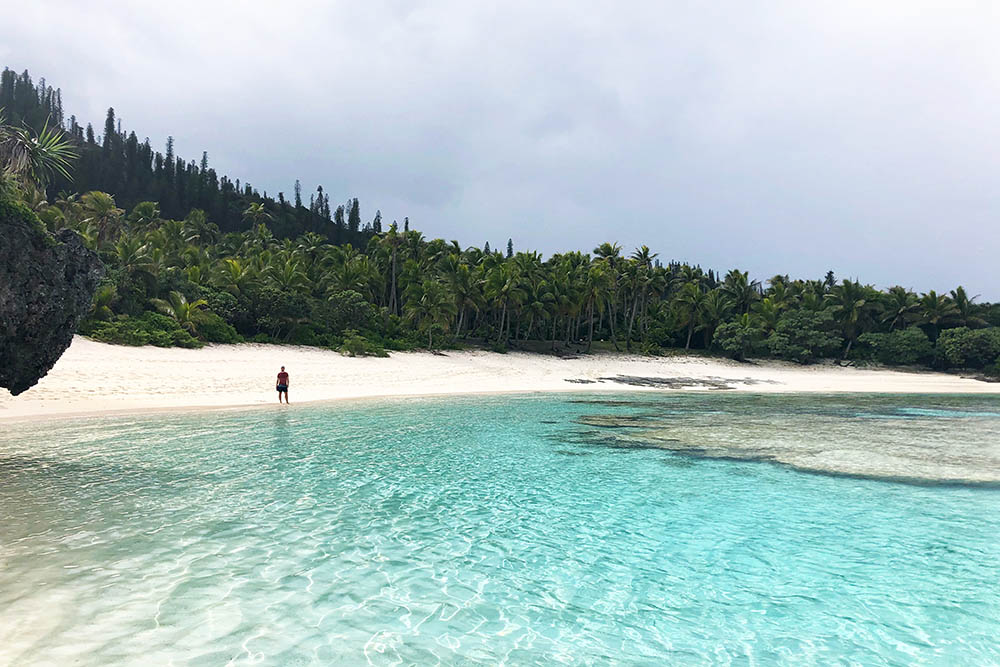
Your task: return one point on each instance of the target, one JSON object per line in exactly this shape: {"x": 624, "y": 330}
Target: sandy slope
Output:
{"x": 97, "y": 378}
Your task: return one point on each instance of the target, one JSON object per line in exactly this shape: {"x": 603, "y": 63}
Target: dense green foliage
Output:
{"x": 900, "y": 347}
{"x": 117, "y": 161}
{"x": 739, "y": 338}
{"x": 970, "y": 348}
{"x": 181, "y": 272}
{"x": 14, "y": 212}
{"x": 147, "y": 329}
{"x": 805, "y": 336}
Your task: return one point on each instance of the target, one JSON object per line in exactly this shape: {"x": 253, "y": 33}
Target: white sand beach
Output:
{"x": 96, "y": 378}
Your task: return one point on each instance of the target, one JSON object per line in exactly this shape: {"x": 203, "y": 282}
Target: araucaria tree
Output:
{"x": 211, "y": 259}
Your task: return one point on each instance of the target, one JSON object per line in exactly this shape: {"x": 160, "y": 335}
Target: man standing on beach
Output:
{"x": 282, "y": 385}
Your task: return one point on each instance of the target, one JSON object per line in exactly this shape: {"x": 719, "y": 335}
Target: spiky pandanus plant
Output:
{"x": 28, "y": 158}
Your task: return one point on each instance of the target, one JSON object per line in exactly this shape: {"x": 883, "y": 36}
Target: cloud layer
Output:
{"x": 778, "y": 137}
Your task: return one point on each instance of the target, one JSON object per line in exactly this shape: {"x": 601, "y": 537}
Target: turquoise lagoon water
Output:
{"x": 656, "y": 529}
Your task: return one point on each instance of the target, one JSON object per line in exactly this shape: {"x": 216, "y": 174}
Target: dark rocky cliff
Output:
{"x": 46, "y": 287}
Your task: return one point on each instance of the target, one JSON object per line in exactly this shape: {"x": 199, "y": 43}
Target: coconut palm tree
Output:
{"x": 716, "y": 309}
{"x": 99, "y": 209}
{"x": 178, "y": 307}
{"x": 310, "y": 245}
{"x": 690, "y": 302}
{"x": 195, "y": 273}
{"x": 639, "y": 278}
{"x": 353, "y": 272}
{"x": 537, "y": 301}
{"x": 54, "y": 219}
{"x": 644, "y": 257}
{"x": 781, "y": 294}
{"x": 933, "y": 310}
{"x": 392, "y": 240}
{"x": 964, "y": 307}
{"x": 170, "y": 236}
{"x": 104, "y": 297}
{"x": 144, "y": 214}
{"x": 132, "y": 255}
{"x": 741, "y": 290}
{"x": 561, "y": 290}
{"x": 852, "y": 306}
{"x": 900, "y": 307}
{"x": 689, "y": 274}
{"x": 610, "y": 254}
{"x": 430, "y": 307}
{"x": 503, "y": 286}
{"x": 259, "y": 238}
{"x": 234, "y": 276}
{"x": 768, "y": 312}
{"x": 256, "y": 214}
{"x": 596, "y": 290}
{"x": 463, "y": 285}
{"x": 288, "y": 275}
{"x": 609, "y": 251}
{"x": 198, "y": 229}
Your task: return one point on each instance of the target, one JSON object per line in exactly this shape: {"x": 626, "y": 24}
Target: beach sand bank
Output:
{"x": 96, "y": 378}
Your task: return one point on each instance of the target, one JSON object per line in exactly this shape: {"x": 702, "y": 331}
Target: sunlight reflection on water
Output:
{"x": 501, "y": 529}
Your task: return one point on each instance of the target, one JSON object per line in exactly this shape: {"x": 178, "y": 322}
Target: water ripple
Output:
{"x": 466, "y": 531}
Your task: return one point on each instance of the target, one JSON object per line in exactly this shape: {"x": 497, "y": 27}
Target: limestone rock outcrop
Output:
{"x": 46, "y": 286}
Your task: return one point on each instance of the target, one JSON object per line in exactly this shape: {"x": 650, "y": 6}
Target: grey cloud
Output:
{"x": 778, "y": 137}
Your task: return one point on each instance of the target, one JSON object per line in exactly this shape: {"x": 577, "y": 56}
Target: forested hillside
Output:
{"x": 117, "y": 161}
{"x": 194, "y": 258}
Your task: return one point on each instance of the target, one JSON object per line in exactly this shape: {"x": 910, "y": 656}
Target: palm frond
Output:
{"x": 33, "y": 158}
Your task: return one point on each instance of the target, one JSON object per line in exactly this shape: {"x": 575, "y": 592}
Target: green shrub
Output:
{"x": 969, "y": 348}
{"x": 902, "y": 347}
{"x": 355, "y": 345}
{"x": 400, "y": 344}
{"x": 158, "y": 321}
{"x": 118, "y": 332}
{"x": 347, "y": 310}
{"x": 313, "y": 336}
{"x": 16, "y": 213}
{"x": 651, "y": 349}
{"x": 181, "y": 338}
{"x": 304, "y": 335}
{"x": 214, "y": 329}
{"x": 148, "y": 329}
{"x": 804, "y": 336}
{"x": 739, "y": 338}
{"x": 396, "y": 335}
{"x": 277, "y": 312}
{"x": 222, "y": 303}
{"x": 664, "y": 336}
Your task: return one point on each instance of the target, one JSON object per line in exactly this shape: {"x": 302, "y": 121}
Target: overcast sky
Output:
{"x": 789, "y": 137}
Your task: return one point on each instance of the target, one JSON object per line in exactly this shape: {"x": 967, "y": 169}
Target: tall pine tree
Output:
{"x": 354, "y": 217}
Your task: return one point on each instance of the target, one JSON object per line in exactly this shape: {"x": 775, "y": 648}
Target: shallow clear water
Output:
{"x": 490, "y": 530}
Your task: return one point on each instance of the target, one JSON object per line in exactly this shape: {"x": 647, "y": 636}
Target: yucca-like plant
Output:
{"x": 29, "y": 158}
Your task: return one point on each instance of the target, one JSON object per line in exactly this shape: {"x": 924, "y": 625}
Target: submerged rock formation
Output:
{"x": 46, "y": 287}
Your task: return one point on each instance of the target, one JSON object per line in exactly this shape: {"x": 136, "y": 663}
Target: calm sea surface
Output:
{"x": 651, "y": 529}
